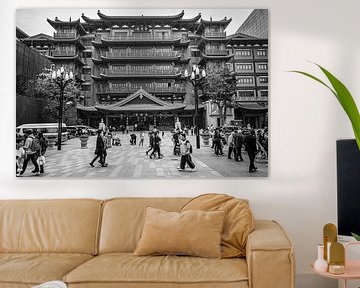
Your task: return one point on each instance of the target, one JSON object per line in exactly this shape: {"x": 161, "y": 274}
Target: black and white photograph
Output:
{"x": 142, "y": 93}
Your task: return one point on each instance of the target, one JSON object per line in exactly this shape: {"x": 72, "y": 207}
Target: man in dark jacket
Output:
{"x": 238, "y": 141}
{"x": 99, "y": 150}
{"x": 250, "y": 147}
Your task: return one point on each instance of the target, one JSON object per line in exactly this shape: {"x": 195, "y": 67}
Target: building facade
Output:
{"x": 131, "y": 68}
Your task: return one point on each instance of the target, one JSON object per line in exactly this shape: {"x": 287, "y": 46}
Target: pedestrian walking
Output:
{"x": 185, "y": 150}
{"x": 231, "y": 143}
{"x": 132, "y": 139}
{"x": 43, "y": 148}
{"x": 250, "y": 147}
{"x": 156, "y": 141}
{"x": 142, "y": 135}
{"x": 217, "y": 143}
{"x": 32, "y": 151}
{"x": 99, "y": 149}
{"x": 151, "y": 142}
{"x": 106, "y": 145}
{"x": 176, "y": 141}
{"x": 238, "y": 141}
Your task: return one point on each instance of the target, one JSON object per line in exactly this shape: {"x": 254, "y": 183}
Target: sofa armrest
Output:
{"x": 269, "y": 256}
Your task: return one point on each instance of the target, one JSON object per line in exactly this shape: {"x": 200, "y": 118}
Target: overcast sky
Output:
{"x": 33, "y": 21}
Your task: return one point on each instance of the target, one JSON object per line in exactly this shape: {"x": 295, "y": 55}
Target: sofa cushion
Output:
{"x": 238, "y": 223}
{"x": 126, "y": 268}
{"x": 123, "y": 220}
{"x": 36, "y": 268}
{"x": 193, "y": 232}
{"x": 62, "y": 226}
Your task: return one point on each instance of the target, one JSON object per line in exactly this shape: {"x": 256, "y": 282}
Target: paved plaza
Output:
{"x": 130, "y": 161}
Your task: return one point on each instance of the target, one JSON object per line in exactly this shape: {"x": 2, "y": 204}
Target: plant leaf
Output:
{"x": 344, "y": 97}
{"x": 357, "y": 237}
{"x": 347, "y": 102}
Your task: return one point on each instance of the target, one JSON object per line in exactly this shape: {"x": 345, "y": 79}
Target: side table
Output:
{"x": 352, "y": 269}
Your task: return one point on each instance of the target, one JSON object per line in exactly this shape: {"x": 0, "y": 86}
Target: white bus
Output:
{"x": 48, "y": 129}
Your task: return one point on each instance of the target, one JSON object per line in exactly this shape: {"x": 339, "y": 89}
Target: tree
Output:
{"x": 45, "y": 89}
{"x": 219, "y": 87}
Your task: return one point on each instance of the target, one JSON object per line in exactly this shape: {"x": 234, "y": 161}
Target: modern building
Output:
{"x": 131, "y": 68}
{"x": 29, "y": 63}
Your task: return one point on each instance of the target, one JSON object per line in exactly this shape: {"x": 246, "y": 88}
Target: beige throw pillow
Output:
{"x": 194, "y": 232}
{"x": 238, "y": 223}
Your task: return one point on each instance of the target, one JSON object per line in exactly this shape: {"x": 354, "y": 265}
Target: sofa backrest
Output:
{"x": 64, "y": 226}
{"x": 123, "y": 220}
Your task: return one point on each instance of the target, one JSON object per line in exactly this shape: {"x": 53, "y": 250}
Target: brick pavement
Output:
{"x": 129, "y": 161}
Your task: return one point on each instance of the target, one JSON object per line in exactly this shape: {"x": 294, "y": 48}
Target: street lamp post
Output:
{"x": 196, "y": 77}
{"x": 61, "y": 78}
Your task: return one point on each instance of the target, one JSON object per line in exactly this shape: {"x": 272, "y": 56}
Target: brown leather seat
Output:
{"x": 157, "y": 271}
{"x": 35, "y": 268}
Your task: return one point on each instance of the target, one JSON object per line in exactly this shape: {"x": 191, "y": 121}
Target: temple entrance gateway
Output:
{"x": 140, "y": 111}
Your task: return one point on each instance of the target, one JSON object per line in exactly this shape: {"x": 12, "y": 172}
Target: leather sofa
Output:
{"x": 89, "y": 243}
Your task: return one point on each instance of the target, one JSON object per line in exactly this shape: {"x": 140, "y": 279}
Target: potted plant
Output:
{"x": 83, "y": 140}
{"x": 205, "y": 135}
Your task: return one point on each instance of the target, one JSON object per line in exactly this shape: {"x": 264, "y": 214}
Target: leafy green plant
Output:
{"x": 344, "y": 97}
{"x": 356, "y": 236}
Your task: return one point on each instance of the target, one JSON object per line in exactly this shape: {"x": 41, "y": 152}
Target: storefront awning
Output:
{"x": 253, "y": 106}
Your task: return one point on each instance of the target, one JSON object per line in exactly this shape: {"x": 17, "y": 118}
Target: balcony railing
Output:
{"x": 215, "y": 34}
{"x": 147, "y": 87}
{"x": 141, "y": 54}
{"x": 251, "y": 99}
{"x": 136, "y": 71}
{"x": 215, "y": 52}
{"x": 65, "y": 35}
{"x": 136, "y": 37}
{"x": 64, "y": 53}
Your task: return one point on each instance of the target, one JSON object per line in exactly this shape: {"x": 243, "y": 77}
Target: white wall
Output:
{"x": 305, "y": 121}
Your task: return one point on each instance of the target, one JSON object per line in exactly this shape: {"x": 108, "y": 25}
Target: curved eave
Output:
{"x": 192, "y": 20}
{"x": 95, "y": 77}
{"x": 86, "y": 108}
{"x": 135, "y": 41}
{"x": 182, "y": 43}
{"x": 141, "y": 59}
{"x": 97, "y": 44}
{"x": 141, "y": 108}
{"x": 224, "y": 23}
{"x": 139, "y": 18}
{"x": 148, "y": 76}
{"x": 56, "y": 23}
{"x": 89, "y": 20}
{"x": 217, "y": 56}
{"x": 185, "y": 60}
{"x": 62, "y": 58}
{"x": 96, "y": 61}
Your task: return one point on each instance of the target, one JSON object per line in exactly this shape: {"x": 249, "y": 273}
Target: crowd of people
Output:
{"x": 238, "y": 139}
{"x": 32, "y": 147}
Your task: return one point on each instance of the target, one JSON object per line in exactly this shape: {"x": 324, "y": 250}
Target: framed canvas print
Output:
{"x": 142, "y": 93}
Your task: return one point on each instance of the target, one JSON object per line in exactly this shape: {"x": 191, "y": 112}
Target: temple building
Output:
{"x": 131, "y": 68}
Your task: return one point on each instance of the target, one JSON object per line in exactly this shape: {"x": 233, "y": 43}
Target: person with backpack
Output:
{"x": 185, "y": 150}
{"x": 32, "y": 151}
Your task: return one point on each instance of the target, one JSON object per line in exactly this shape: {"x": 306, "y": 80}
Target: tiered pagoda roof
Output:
{"x": 176, "y": 21}
{"x": 56, "y": 24}
{"x": 204, "y": 23}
